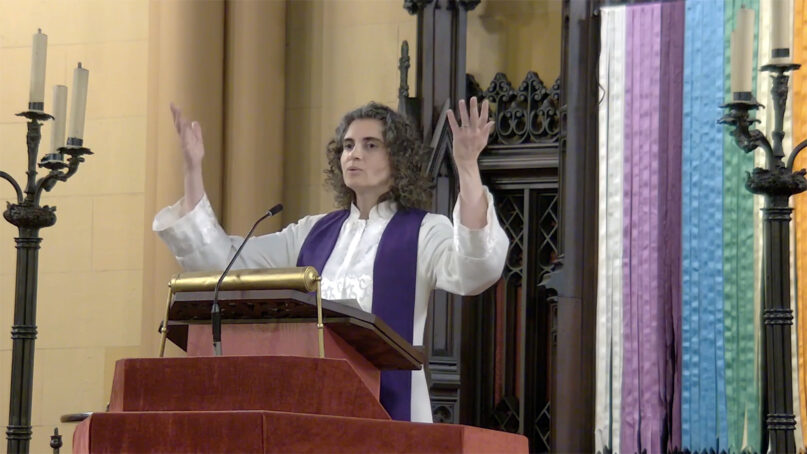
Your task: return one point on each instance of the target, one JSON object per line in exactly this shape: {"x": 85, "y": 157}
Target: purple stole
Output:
{"x": 394, "y": 277}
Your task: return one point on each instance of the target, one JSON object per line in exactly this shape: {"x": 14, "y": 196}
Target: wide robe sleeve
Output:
{"x": 458, "y": 259}
{"x": 199, "y": 242}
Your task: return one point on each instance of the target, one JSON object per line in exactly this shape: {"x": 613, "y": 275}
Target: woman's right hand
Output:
{"x": 193, "y": 150}
{"x": 190, "y": 137}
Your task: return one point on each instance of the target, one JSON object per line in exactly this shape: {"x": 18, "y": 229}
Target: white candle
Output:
{"x": 39, "y": 53}
{"x": 744, "y": 43}
{"x": 59, "y": 114}
{"x": 78, "y": 106}
{"x": 781, "y": 22}
{"x": 735, "y": 63}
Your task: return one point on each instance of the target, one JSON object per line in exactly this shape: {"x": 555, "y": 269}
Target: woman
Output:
{"x": 381, "y": 248}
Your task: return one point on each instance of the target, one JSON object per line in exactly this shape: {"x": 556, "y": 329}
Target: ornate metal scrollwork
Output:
{"x": 414, "y": 6}
{"x": 29, "y": 217}
{"x": 468, "y": 5}
{"x": 528, "y": 114}
{"x": 777, "y": 182}
{"x": 403, "y": 69}
{"x": 443, "y": 414}
{"x": 407, "y": 106}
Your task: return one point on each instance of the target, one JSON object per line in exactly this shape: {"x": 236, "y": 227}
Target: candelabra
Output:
{"x": 777, "y": 182}
{"x": 29, "y": 217}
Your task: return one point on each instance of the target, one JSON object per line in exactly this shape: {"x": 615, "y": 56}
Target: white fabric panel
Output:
{"x": 609, "y": 272}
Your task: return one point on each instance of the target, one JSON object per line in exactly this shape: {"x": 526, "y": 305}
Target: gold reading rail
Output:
{"x": 304, "y": 279}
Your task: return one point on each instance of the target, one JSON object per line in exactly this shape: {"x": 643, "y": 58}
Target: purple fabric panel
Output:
{"x": 651, "y": 342}
{"x": 644, "y": 358}
{"x": 640, "y": 222}
{"x": 321, "y": 240}
{"x": 670, "y": 144}
{"x": 653, "y": 379}
{"x": 630, "y": 404}
{"x": 394, "y": 279}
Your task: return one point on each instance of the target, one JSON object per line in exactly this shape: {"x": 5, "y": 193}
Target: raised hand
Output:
{"x": 472, "y": 137}
{"x": 190, "y": 137}
{"x": 193, "y": 150}
{"x": 469, "y": 141}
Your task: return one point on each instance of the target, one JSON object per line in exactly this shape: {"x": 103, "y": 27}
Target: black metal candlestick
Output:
{"x": 777, "y": 182}
{"x": 29, "y": 217}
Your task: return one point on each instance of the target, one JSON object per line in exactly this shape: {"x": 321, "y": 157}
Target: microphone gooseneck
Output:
{"x": 215, "y": 310}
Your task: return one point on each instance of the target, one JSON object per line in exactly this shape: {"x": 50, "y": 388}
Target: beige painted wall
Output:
{"x": 340, "y": 55}
{"x": 268, "y": 80}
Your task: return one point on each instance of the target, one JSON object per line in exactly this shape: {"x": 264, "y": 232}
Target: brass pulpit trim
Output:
{"x": 304, "y": 279}
{"x": 320, "y": 325}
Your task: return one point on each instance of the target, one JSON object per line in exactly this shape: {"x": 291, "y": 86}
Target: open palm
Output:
{"x": 471, "y": 137}
{"x": 190, "y": 137}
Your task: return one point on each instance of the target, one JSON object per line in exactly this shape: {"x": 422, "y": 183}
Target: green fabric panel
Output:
{"x": 742, "y": 391}
{"x": 730, "y": 315}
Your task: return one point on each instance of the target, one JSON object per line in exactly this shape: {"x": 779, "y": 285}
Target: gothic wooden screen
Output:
{"x": 502, "y": 372}
{"x": 490, "y": 355}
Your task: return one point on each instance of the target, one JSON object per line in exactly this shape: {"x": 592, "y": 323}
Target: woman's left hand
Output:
{"x": 469, "y": 141}
{"x": 472, "y": 137}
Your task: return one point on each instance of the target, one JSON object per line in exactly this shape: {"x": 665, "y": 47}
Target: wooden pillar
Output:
{"x": 575, "y": 280}
{"x": 254, "y": 110}
{"x": 442, "y": 26}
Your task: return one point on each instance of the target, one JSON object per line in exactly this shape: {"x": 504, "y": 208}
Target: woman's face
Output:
{"x": 365, "y": 159}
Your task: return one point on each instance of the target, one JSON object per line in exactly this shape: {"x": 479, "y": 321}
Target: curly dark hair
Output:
{"x": 411, "y": 187}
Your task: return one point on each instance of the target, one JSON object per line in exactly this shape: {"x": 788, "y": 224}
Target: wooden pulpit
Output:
{"x": 271, "y": 391}
{"x": 284, "y": 322}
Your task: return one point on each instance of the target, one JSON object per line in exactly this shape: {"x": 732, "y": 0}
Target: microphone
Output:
{"x": 215, "y": 310}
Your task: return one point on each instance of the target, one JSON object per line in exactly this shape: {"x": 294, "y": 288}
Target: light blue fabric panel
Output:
{"x": 703, "y": 391}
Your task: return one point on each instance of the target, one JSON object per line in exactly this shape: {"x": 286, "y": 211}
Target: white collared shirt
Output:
{"x": 348, "y": 273}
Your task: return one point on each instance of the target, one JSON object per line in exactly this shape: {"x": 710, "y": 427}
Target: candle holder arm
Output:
{"x": 56, "y": 174}
{"x": 47, "y": 182}
{"x": 792, "y": 158}
{"x": 14, "y": 184}
{"x": 748, "y": 139}
{"x": 751, "y": 139}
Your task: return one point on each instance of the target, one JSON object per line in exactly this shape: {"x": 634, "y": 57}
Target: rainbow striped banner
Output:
{"x": 679, "y": 236}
